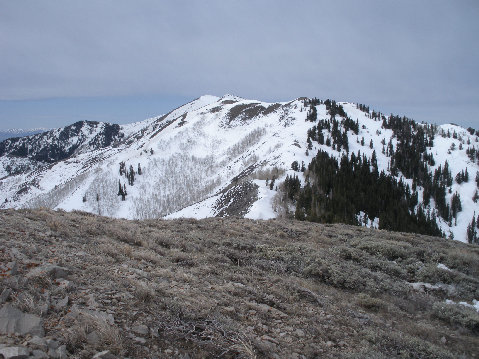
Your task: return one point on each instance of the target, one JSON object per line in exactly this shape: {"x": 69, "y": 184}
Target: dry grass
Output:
{"x": 237, "y": 288}
{"x": 109, "y": 336}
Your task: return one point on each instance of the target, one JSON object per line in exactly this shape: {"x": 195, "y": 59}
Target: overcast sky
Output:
{"x": 124, "y": 61}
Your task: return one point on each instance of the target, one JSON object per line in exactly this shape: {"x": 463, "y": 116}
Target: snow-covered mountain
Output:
{"x": 219, "y": 156}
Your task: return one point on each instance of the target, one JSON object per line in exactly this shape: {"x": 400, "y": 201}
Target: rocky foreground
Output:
{"x": 78, "y": 285}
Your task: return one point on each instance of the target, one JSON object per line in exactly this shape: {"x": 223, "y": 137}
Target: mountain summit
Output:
{"x": 316, "y": 160}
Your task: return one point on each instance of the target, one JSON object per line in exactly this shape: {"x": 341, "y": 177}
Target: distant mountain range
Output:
{"x": 18, "y": 132}
{"x": 309, "y": 159}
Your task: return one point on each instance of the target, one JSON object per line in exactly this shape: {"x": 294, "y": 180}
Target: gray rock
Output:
{"x": 50, "y": 270}
{"x": 93, "y": 338}
{"x": 13, "y": 320}
{"x": 39, "y": 354}
{"x": 13, "y": 268}
{"x": 52, "y": 344}
{"x": 14, "y": 352}
{"x": 52, "y": 354}
{"x": 91, "y": 302}
{"x": 104, "y": 355}
{"x": 44, "y": 309}
{"x": 14, "y": 252}
{"x": 38, "y": 342}
{"x": 62, "y": 351}
{"x": 94, "y": 314}
{"x": 139, "y": 339}
{"x": 64, "y": 284}
{"x": 141, "y": 329}
{"x": 300, "y": 332}
{"x": 5, "y": 295}
{"x": 62, "y": 304}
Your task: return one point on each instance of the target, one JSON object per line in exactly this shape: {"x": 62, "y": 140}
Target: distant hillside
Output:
{"x": 78, "y": 285}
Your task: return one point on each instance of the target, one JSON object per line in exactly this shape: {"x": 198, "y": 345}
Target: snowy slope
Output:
{"x": 213, "y": 156}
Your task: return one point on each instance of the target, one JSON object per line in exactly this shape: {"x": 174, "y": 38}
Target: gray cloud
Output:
{"x": 385, "y": 53}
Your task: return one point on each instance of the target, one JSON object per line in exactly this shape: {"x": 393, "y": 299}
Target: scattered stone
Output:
{"x": 12, "y": 320}
{"x": 329, "y": 343}
{"x": 141, "y": 329}
{"x": 14, "y": 352}
{"x": 50, "y": 270}
{"x": 300, "y": 332}
{"x": 443, "y": 340}
{"x": 64, "y": 284}
{"x": 5, "y": 295}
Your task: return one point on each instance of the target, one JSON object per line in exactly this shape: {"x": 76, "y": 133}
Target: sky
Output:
{"x": 124, "y": 61}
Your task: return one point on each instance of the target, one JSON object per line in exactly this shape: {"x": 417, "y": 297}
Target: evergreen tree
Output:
{"x": 456, "y": 204}
{"x": 337, "y": 192}
{"x": 312, "y": 115}
{"x": 131, "y": 176}
{"x": 271, "y": 184}
{"x": 139, "y": 170}
{"x": 472, "y": 232}
{"x": 122, "y": 168}
{"x": 121, "y": 190}
{"x": 475, "y": 198}
{"x": 295, "y": 166}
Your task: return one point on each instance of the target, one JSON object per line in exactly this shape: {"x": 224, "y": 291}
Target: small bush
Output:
{"x": 370, "y": 303}
{"x": 404, "y": 346}
{"x": 143, "y": 293}
{"x": 386, "y": 249}
{"x": 456, "y": 314}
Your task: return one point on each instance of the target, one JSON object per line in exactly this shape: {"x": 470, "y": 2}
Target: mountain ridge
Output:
{"x": 214, "y": 156}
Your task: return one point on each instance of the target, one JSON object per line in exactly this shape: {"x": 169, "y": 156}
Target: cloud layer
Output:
{"x": 411, "y": 53}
